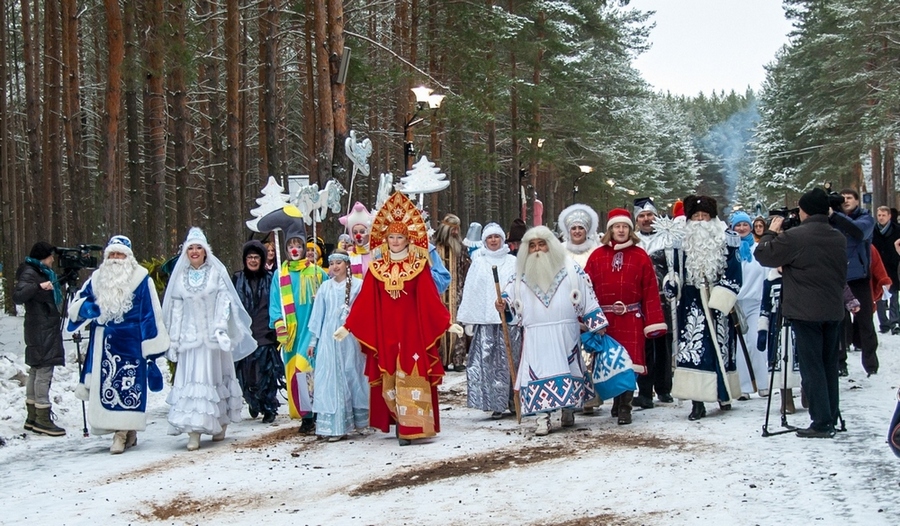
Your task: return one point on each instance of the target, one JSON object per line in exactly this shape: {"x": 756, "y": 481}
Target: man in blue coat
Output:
{"x": 858, "y": 226}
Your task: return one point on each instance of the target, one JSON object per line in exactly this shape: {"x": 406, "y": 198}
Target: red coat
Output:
{"x": 879, "y": 276}
{"x": 625, "y": 273}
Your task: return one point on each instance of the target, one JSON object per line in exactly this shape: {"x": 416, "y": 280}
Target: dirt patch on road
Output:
{"x": 184, "y": 505}
{"x": 488, "y": 462}
{"x": 603, "y": 519}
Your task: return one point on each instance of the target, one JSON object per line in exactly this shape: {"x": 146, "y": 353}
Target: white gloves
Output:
{"x": 172, "y": 353}
{"x": 341, "y": 333}
{"x": 456, "y": 329}
{"x": 223, "y": 339}
{"x": 470, "y": 330}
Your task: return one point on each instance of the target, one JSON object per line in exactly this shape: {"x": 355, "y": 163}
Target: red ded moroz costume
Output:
{"x": 398, "y": 319}
{"x": 625, "y": 284}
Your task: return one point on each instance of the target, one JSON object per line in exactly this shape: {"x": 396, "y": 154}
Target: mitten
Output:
{"x": 762, "y": 340}
{"x": 89, "y": 311}
{"x": 341, "y": 333}
{"x": 281, "y": 333}
{"x": 670, "y": 285}
{"x": 224, "y": 340}
{"x": 456, "y": 329}
{"x": 470, "y": 330}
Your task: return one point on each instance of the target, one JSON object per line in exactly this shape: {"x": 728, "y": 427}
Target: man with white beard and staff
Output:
{"x": 127, "y": 334}
{"x": 708, "y": 274}
{"x": 551, "y": 297}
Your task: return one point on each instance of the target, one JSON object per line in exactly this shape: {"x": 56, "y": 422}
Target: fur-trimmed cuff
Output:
{"x": 722, "y": 299}
{"x": 655, "y": 330}
{"x": 762, "y": 324}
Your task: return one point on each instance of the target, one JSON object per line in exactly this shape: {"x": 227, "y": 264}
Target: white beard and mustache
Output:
{"x": 705, "y": 250}
{"x": 113, "y": 288}
{"x": 540, "y": 268}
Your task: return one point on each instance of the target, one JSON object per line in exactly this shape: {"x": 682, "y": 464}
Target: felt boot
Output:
{"x": 220, "y": 436}
{"x": 568, "y": 418}
{"x": 130, "y": 439}
{"x": 625, "y": 400}
{"x": 118, "y": 443}
{"x": 787, "y": 402}
{"x": 193, "y": 441}
{"x": 543, "y": 424}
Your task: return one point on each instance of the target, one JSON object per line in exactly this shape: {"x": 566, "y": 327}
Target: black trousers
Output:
{"x": 658, "y": 355}
{"x": 817, "y": 354}
{"x": 861, "y": 331}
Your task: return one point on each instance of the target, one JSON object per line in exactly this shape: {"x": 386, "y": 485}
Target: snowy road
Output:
{"x": 663, "y": 469}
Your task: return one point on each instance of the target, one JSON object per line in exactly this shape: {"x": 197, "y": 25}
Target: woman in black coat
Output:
{"x": 37, "y": 289}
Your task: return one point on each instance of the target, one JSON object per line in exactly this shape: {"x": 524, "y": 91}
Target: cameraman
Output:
{"x": 858, "y": 227}
{"x": 814, "y": 266}
{"x": 37, "y": 288}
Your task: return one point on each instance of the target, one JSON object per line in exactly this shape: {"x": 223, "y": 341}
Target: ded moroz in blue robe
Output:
{"x": 118, "y": 355}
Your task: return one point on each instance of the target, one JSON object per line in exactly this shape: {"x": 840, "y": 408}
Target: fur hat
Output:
{"x": 120, "y": 244}
{"x": 41, "y": 250}
{"x": 700, "y": 203}
{"x": 516, "y": 231}
{"x": 814, "y": 202}
{"x": 619, "y": 215}
{"x": 256, "y": 247}
{"x": 490, "y": 229}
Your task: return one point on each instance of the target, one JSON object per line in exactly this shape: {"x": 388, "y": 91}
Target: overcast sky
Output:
{"x": 707, "y": 45}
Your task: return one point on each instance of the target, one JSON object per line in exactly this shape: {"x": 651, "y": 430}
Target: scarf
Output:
{"x": 308, "y": 286}
{"x": 884, "y": 229}
{"x": 57, "y": 291}
{"x": 746, "y": 249}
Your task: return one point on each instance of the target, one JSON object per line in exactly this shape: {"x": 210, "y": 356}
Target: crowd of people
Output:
{"x": 360, "y": 338}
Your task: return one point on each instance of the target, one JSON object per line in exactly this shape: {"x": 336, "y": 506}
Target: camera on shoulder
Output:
{"x": 82, "y": 256}
{"x": 791, "y": 217}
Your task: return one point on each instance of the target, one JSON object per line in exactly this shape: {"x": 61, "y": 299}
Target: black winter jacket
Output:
{"x": 813, "y": 257}
{"x": 43, "y": 331}
{"x": 884, "y": 243}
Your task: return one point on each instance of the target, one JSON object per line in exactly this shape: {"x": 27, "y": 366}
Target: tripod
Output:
{"x": 69, "y": 280}
{"x": 780, "y": 322}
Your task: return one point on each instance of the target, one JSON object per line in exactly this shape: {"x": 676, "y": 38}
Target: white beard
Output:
{"x": 113, "y": 288}
{"x": 705, "y": 250}
{"x": 541, "y": 268}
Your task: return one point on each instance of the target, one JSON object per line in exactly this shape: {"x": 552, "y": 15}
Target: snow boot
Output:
{"x": 118, "y": 443}
{"x": 193, "y": 441}
{"x": 614, "y": 412}
{"x": 543, "y": 425}
{"x": 29, "y": 420}
{"x": 625, "y": 400}
{"x": 43, "y": 423}
{"x": 644, "y": 402}
{"x": 220, "y": 436}
{"x": 568, "y": 418}
{"x": 787, "y": 402}
{"x": 698, "y": 411}
{"x": 130, "y": 439}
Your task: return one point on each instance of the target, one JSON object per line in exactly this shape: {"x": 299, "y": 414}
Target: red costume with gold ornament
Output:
{"x": 398, "y": 318}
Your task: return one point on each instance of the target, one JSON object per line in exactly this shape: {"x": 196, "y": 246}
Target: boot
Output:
{"x": 193, "y": 441}
{"x": 220, "y": 436}
{"x": 644, "y": 402}
{"x": 568, "y": 418}
{"x": 29, "y": 420}
{"x": 401, "y": 441}
{"x": 698, "y": 411}
{"x": 614, "y": 412}
{"x": 130, "y": 439}
{"x": 118, "y": 443}
{"x": 543, "y": 425}
{"x": 43, "y": 423}
{"x": 787, "y": 402}
{"x": 625, "y": 400}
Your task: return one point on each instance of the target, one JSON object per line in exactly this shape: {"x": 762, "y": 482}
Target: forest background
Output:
{"x": 146, "y": 117}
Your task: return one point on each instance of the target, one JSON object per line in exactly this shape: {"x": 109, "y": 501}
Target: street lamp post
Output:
{"x": 425, "y": 99}
{"x": 585, "y": 169}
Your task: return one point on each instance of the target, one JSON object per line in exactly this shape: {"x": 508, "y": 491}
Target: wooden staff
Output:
{"x": 509, "y": 356}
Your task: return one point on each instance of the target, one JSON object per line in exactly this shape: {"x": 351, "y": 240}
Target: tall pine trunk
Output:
{"x": 137, "y": 197}
{"x": 323, "y": 89}
{"x": 115, "y": 44}
{"x": 155, "y": 111}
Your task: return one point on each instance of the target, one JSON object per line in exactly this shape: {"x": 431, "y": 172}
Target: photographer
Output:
{"x": 858, "y": 227}
{"x": 814, "y": 266}
{"x": 37, "y": 288}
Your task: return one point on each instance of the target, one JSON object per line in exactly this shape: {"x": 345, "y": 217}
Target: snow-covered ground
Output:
{"x": 663, "y": 469}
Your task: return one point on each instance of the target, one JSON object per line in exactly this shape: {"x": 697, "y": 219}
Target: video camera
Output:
{"x": 79, "y": 257}
{"x": 835, "y": 200}
{"x": 791, "y": 216}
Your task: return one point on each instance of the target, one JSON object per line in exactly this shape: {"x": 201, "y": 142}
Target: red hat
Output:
{"x": 619, "y": 215}
{"x": 678, "y": 209}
